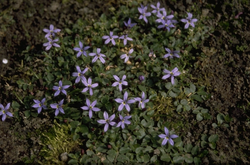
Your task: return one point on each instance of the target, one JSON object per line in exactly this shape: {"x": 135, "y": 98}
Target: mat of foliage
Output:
{"x": 222, "y": 67}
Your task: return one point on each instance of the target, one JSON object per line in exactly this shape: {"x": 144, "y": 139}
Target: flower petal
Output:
{"x": 101, "y": 121}
{"x": 106, "y": 127}
{"x": 112, "y": 117}
{"x": 166, "y": 131}
{"x": 105, "y": 115}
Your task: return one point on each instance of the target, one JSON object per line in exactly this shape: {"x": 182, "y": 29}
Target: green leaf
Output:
{"x": 76, "y": 137}
{"x": 111, "y": 155}
{"x": 68, "y": 30}
{"x": 90, "y": 153}
{"x": 199, "y": 117}
{"x": 148, "y": 149}
{"x": 179, "y": 108}
{"x": 184, "y": 102}
{"x": 49, "y": 77}
{"x": 142, "y": 88}
{"x": 179, "y": 144}
{"x": 188, "y": 158}
{"x": 165, "y": 157}
{"x": 187, "y": 107}
{"x": 197, "y": 160}
{"x": 196, "y": 111}
{"x": 195, "y": 150}
{"x": 124, "y": 150}
{"x": 139, "y": 150}
{"x": 144, "y": 123}
{"x": 34, "y": 114}
{"x": 168, "y": 85}
{"x": 122, "y": 158}
{"x": 187, "y": 91}
{"x": 60, "y": 60}
{"x": 214, "y": 125}
{"x": 197, "y": 98}
{"x": 145, "y": 158}
{"x": 27, "y": 113}
{"x": 213, "y": 138}
{"x": 153, "y": 159}
{"x": 150, "y": 113}
{"x": 70, "y": 51}
{"x": 220, "y": 118}
{"x": 188, "y": 148}
{"x": 204, "y": 111}
{"x": 15, "y": 105}
{"x": 73, "y": 161}
{"x": 74, "y": 124}
{"x": 163, "y": 94}
{"x": 157, "y": 69}
{"x": 108, "y": 106}
{"x": 113, "y": 145}
{"x": 212, "y": 145}
{"x": 178, "y": 159}
{"x": 203, "y": 144}
{"x": 204, "y": 137}
{"x": 141, "y": 133}
{"x": 83, "y": 129}
{"x": 101, "y": 148}
{"x": 192, "y": 88}
{"x": 105, "y": 99}
{"x": 172, "y": 94}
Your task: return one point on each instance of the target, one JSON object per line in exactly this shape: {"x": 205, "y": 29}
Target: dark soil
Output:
{"x": 225, "y": 70}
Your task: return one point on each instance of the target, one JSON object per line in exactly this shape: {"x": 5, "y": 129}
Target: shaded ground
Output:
{"x": 224, "y": 69}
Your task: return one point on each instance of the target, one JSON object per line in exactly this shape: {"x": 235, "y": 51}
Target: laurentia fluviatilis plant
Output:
{"x": 104, "y": 77}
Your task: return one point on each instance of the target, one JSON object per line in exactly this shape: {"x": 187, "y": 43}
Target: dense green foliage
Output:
{"x": 139, "y": 141}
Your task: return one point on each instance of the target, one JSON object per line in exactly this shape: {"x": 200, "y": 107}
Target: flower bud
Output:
{"x": 141, "y": 78}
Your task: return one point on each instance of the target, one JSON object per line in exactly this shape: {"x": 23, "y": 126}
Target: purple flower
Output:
{"x": 125, "y": 38}
{"x": 157, "y": 8}
{"x": 129, "y": 24}
{"x": 167, "y": 137}
{"x": 126, "y": 56}
{"x": 120, "y": 82}
{"x": 58, "y": 107}
{"x": 189, "y": 20}
{"x": 172, "y": 73}
{"x": 143, "y": 11}
{"x": 124, "y": 102}
{"x": 89, "y": 85}
{"x": 98, "y": 55}
{"x": 141, "y": 100}
{"x": 51, "y": 31}
{"x": 91, "y": 107}
{"x": 163, "y": 17}
{"x": 60, "y": 88}
{"x": 171, "y": 53}
{"x": 107, "y": 121}
{"x": 81, "y": 50}
{"x": 51, "y": 43}
{"x": 141, "y": 78}
{"x": 39, "y": 105}
{"x": 109, "y": 38}
{"x": 124, "y": 120}
{"x": 166, "y": 24}
{"x": 79, "y": 74}
{"x": 4, "y": 111}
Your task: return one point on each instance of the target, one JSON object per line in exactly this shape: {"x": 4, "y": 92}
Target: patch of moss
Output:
{"x": 164, "y": 107}
{"x": 56, "y": 142}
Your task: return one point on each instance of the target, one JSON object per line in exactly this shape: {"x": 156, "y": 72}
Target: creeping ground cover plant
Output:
{"x": 105, "y": 77}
